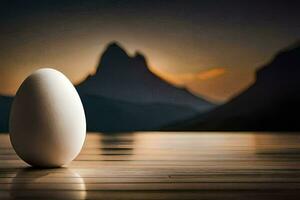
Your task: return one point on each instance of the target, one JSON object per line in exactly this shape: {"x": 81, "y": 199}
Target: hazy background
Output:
{"x": 211, "y": 47}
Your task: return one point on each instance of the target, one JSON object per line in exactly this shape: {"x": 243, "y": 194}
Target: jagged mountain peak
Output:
{"x": 114, "y": 56}
{"x": 115, "y": 47}
{"x": 127, "y": 77}
{"x": 139, "y": 57}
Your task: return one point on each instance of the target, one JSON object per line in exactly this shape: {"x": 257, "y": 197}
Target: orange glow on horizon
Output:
{"x": 181, "y": 79}
{"x": 212, "y": 73}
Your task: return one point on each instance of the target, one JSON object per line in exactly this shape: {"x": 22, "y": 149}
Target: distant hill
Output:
{"x": 272, "y": 103}
{"x": 108, "y": 115}
{"x": 5, "y": 103}
{"x": 122, "y": 77}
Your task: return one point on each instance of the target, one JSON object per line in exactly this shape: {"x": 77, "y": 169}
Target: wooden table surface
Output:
{"x": 156, "y": 165}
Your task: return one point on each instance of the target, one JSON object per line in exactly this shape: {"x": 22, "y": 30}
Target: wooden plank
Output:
{"x": 157, "y": 179}
{"x": 153, "y": 195}
{"x": 152, "y": 186}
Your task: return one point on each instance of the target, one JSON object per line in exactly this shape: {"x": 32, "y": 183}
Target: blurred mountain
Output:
{"x": 109, "y": 115}
{"x": 122, "y": 77}
{"x": 124, "y": 95}
{"x": 5, "y": 103}
{"x": 272, "y": 103}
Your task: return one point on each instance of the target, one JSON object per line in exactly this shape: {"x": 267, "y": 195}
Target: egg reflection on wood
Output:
{"x": 47, "y": 120}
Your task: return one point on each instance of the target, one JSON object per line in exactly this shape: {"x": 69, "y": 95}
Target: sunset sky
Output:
{"x": 211, "y": 47}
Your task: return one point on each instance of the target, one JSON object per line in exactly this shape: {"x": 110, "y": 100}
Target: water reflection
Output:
{"x": 192, "y": 146}
{"x": 117, "y": 144}
{"x": 214, "y": 145}
{"x": 277, "y": 145}
{"x": 59, "y": 183}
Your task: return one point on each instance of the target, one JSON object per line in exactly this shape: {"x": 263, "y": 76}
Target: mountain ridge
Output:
{"x": 5, "y": 104}
{"x": 270, "y": 103}
{"x": 123, "y": 77}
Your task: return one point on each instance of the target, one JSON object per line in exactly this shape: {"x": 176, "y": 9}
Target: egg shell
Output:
{"x": 47, "y": 121}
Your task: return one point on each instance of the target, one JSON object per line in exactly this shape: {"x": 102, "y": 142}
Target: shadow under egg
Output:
{"x": 59, "y": 183}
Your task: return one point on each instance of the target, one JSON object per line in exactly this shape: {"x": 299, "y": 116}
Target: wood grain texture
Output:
{"x": 169, "y": 165}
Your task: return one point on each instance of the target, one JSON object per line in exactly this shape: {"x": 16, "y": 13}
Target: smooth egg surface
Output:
{"x": 47, "y": 121}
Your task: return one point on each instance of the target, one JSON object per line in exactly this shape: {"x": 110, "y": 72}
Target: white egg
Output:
{"x": 47, "y": 120}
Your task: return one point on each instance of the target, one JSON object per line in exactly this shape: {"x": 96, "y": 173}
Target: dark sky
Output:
{"x": 211, "y": 47}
